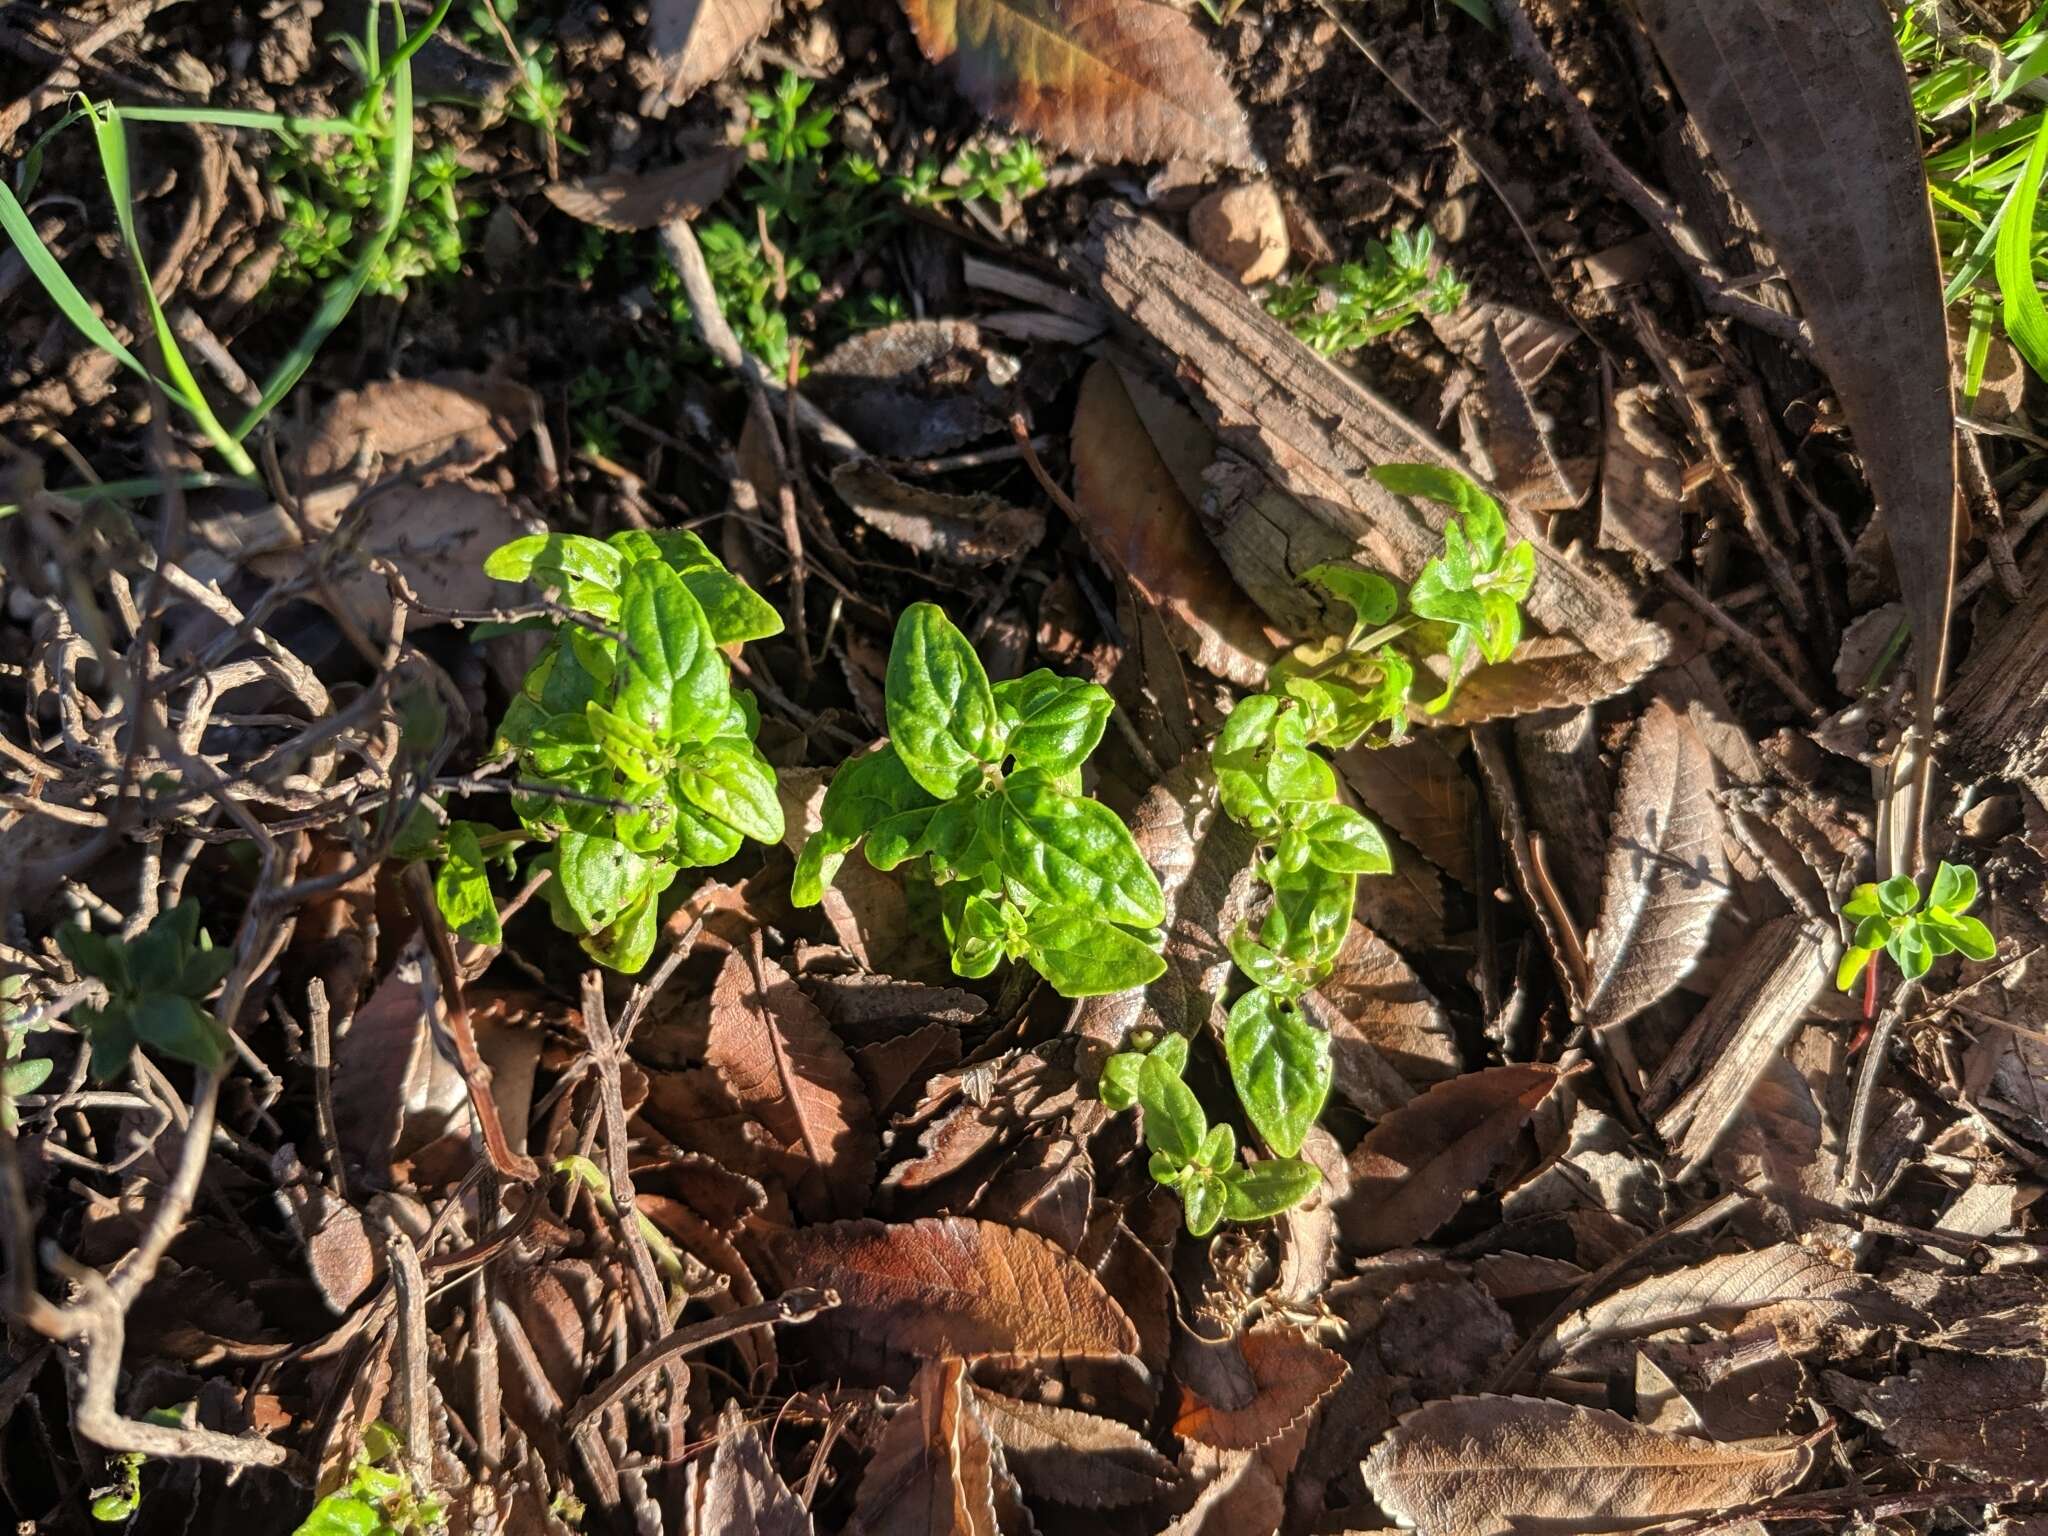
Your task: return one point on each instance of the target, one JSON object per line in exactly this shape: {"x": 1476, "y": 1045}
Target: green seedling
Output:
{"x": 389, "y": 83}
{"x": 982, "y": 174}
{"x": 1197, "y": 1160}
{"x": 1273, "y": 778}
{"x": 540, "y": 95}
{"x": 979, "y": 789}
{"x": 635, "y": 753}
{"x": 120, "y": 1500}
{"x": 1339, "y": 309}
{"x": 157, "y": 984}
{"x": 380, "y": 1497}
{"x": 18, "y": 1074}
{"x": 1890, "y": 919}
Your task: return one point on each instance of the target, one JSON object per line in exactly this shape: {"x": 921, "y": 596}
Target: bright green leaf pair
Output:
{"x": 982, "y": 783}
{"x": 636, "y": 755}
{"x": 1197, "y": 1160}
{"x": 157, "y": 984}
{"x": 1890, "y": 918}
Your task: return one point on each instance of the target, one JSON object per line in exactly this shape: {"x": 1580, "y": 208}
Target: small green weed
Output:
{"x": 157, "y": 984}
{"x": 638, "y": 385}
{"x": 1890, "y": 919}
{"x": 328, "y": 197}
{"x": 983, "y": 786}
{"x": 636, "y": 754}
{"x": 120, "y": 1500}
{"x": 541, "y": 96}
{"x": 18, "y": 1074}
{"x": 1339, "y": 309}
{"x": 379, "y": 1498}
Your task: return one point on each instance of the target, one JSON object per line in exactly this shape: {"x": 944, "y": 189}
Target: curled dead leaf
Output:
{"x": 625, "y": 201}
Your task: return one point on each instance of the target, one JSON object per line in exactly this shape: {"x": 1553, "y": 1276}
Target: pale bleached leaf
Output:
{"x": 742, "y": 1491}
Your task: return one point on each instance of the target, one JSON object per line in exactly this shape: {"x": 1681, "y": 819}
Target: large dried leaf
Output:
{"x": 1139, "y": 521}
{"x": 936, "y": 1469}
{"x": 948, "y": 1285}
{"x": 1415, "y": 1168}
{"x": 742, "y": 1491}
{"x": 1068, "y": 1457}
{"x": 444, "y": 424}
{"x": 1419, "y": 789}
{"x": 1103, "y": 78}
{"x": 1546, "y": 672}
{"x": 1666, "y": 873}
{"x": 966, "y": 530}
{"x": 1807, "y": 112}
{"x": 1377, "y": 1004}
{"x": 690, "y": 42}
{"x": 1290, "y": 1376}
{"x": 780, "y": 1062}
{"x": 1474, "y": 1466}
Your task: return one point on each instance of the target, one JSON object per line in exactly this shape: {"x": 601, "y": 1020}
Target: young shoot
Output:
{"x": 1891, "y": 919}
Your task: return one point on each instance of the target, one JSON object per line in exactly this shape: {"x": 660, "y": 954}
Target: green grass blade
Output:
{"x": 45, "y": 268}
{"x": 342, "y": 294}
{"x": 236, "y": 117}
{"x": 111, "y": 135}
{"x": 2026, "y": 318}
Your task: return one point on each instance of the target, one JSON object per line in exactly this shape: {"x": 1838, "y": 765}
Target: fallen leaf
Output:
{"x": 1414, "y": 1169}
{"x": 1666, "y": 873}
{"x": 1475, "y": 1466}
{"x": 1986, "y": 1417}
{"x": 1377, "y": 1003}
{"x": 690, "y": 42}
{"x": 1419, "y": 789}
{"x": 1101, "y": 78}
{"x": 950, "y": 1285}
{"x": 967, "y": 530}
{"x": 1642, "y": 480}
{"x": 1546, "y": 672}
{"x": 742, "y": 1491}
{"x": 780, "y": 1062}
{"x": 1079, "y": 1459}
{"x": 443, "y": 425}
{"x": 626, "y": 201}
{"x": 963, "y": 1134}
{"x": 936, "y": 1470}
{"x": 1808, "y": 114}
{"x": 1140, "y": 523}
{"x": 1244, "y": 1498}
{"x": 916, "y": 388}
{"x": 1291, "y": 1376}
{"x": 896, "y": 1070}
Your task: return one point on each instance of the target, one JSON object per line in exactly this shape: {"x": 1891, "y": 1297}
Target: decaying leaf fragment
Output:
{"x": 1476, "y": 1466}
{"x": 634, "y": 200}
{"x": 692, "y": 41}
{"x": 966, "y": 530}
{"x": 1666, "y": 873}
{"x": 1104, "y": 78}
{"x": 1079, "y": 1459}
{"x": 936, "y": 1471}
{"x": 742, "y": 1491}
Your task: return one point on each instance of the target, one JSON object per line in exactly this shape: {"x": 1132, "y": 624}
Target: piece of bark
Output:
{"x": 1314, "y": 432}
{"x": 1998, "y": 706}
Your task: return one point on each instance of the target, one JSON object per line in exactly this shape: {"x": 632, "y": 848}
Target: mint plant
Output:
{"x": 979, "y": 790}
{"x": 1890, "y": 919}
{"x": 1271, "y": 777}
{"x": 157, "y": 984}
{"x": 635, "y": 753}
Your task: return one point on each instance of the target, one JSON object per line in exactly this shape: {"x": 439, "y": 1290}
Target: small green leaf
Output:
{"x": 1370, "y": 595}
{"x": 1910, "y": 950}
{"x": 734, "y": 610}
{"x": 1082, "y": 956}
{"x": 729, "y": 779}
{"x": 462, "y": 888}
{"x": 1053, "y": 722}
{"x": 1202, "y": 1201}
{"x": 625, "y": 943}
{"x": 600, "y": 877}
{"x": 1174, "y": 1122}
{"x": 1851, "y": 966}
{"x": 1268, "y": 1188}
{"x": 1899, "y": 896}
{"x": 586, "y": 571}
{"x": 1342, "y": 840}
{"x": 1955, "y": 888}
{"x": 1862, "y": 904}
{"x": 1074, "y": 853}
{"x": 904, "y": 835}
{"x": 942, "y": 713}
{"x": 1447, "y": 486}
{"x": 1219, "y": 1148}
{"x": 181, "y": 1029}
{"x": 978, "y": 938}
{"x": 1118, "y": 1087}
{"x": 1295, "y": 775}
{"x": 864, "y": 794}
{"x": 1968, "y": 936}
{"x": 1310, "y": 914}
{"x": 625, "y": 743}
{"x": 1281, "y": 1065}
{"x": 94, "y": 954}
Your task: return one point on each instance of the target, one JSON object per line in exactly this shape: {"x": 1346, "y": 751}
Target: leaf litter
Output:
{"x": 1625, "y": 1216}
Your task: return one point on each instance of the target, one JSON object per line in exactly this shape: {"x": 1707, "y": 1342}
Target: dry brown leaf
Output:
{"x": 742, "y": 1491}
{"x": 780, "y": 1062}
{"x": 936, "y": 1470}
{"x": 1243, "y": 1498}
{"x": 967, "y": 530}
{"x": 1291, "y": 1375}
{"x": 1419, "y": 789}
{"x": 1415, "y": 1168}
{"x": 1079, "y": 1459}
{"x": 1378, "y": 1003}
{"x": 1666, "y": 872}
{"x": 690, "y": 42}
{"x": 1144, "y": 527}
{"x": 1547, "y": 672}
{"x": 446, "y": 424}
{"x": 1807, "y": 112}
{"x": 949, "y": 1285}
{"x": 1101, "y": 78}
{"x": 634, "y": 200}
{"x": 916, "y": 388}
{"x": 963, "y": 1134}
{"x": 896, "y": 1070}
{"x": 1476, "y": 1466}
{"x": 436, "y": 536}
{"x": 1642, "y": 480}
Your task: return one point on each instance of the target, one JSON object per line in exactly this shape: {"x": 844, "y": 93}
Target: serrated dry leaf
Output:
{"x": 742, "y": 1491}
{"x": 626, "y": 201}
{"x": 781, "y": 1064}
{"x": 1666, "y": 872}
{"x": 1419, "y": 789}
{"x": 949, "y": 1285}
{"x": 967, "y": 530}
{"x": 1476, "y": 1466}
{"x": 916, "y": 388}
{"x": 1290, "y": 1376}
{"x": 1141, "y": 524}
{"x": 1415, "y": 1168}
{"x": 690, "y": 42}
{"x": 1546, "y": 672}
{"x": 1102, "y": 78}
{"x": 1377, "y": 1003}
{"x": 1079, "y": 1459}
{"x": 1807, "y": 111}
{"x": 936, "y": 1470}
